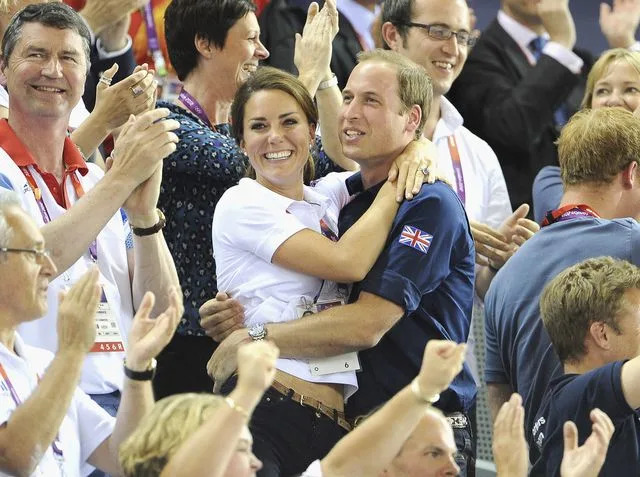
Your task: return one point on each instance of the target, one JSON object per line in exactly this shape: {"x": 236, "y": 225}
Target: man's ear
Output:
{"x": 203, "y": 46}
{"x": 629, "y": 175}
{"x": 599, "y": 334}
{"x": 391, "y": 36}
{"x": 414, "y": 115}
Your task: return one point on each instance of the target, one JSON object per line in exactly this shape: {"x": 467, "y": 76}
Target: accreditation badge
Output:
{"x": 334, "y": 364}
{"x": 108, "y": 335}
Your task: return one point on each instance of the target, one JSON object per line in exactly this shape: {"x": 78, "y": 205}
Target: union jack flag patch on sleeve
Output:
{"x": 415, "y": 238}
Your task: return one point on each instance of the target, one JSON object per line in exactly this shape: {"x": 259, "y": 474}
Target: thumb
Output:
{"x": 570, "y": 432}
{"x": 108, "y": 163}
{"x": 221, "y": 296}
{"x": 109, "y": 74}
{"x": 217, "y": 385}
{"x": 297, "y": 41}
{"x": 144, "y": 310}
{"x": 520, "y": 213}
{"x": 605, "y": 11}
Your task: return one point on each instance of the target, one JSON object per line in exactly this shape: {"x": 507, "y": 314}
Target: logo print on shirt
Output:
{"x": 415, "y": 238}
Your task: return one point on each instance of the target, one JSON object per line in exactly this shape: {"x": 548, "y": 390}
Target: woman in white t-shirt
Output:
{"x": 277, "y": 253}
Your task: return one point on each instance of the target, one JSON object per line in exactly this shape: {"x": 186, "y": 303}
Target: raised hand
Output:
{"x": 142, "y": 144}
{"x": 558, "y": 21}
{"x": 495, "y": 247}
{"x": 221, "y": 316}
{"x": 134, "y": 94}
{"x": 586, "y": 460}
{"x": 509, "y": 446}
{"x": 257, "y": 365}
{"x": 442, "y": 361}
{"x": 312, "y": 54}
{"x": 77, "y": 312}
{"x": 620, "y": 22}
{"x": 148, "y": 336}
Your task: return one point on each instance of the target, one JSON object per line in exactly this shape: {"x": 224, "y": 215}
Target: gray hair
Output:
{"x": 8, "y": 198}
{"x": 54, "y": 15}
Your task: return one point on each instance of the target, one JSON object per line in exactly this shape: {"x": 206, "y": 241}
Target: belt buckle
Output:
{"x": 457, "y": 421}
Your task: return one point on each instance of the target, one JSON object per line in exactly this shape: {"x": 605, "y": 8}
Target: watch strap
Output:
{"x": 142, "y": 232}
{"x": 146, "y": 375}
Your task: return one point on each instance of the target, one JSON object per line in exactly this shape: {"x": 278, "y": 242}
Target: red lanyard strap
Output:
{"x": 568, "y": 212}
{"x": 46, "y": 218}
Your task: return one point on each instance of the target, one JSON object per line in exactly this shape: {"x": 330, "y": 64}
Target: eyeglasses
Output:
{"x": 38, "y": 255}
{"x": 440, "y": 32}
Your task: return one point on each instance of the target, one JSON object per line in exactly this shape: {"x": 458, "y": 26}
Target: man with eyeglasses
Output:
{"x": 48, "y": 426}
{"x": 524, "y": 79}
{"x": 438, "y": 36}
{"x": 45, "y": 61}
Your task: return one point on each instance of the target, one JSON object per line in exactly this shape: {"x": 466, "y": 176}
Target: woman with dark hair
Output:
{"x": 277, "y": 253}
{"x": 214, "y": 47}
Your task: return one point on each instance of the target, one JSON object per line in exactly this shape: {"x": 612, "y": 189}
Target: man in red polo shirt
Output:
{"x": 45, "y": 60}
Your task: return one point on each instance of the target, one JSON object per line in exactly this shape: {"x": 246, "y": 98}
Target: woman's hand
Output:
{"x": 417, "y": 164}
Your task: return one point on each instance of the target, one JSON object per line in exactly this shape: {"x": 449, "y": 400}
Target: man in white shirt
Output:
{"x": 44, "y": 61}
{"x": 524, "y": 79}
{"x": 49, "y": 426}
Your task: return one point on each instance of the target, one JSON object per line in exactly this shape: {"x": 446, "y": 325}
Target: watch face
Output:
{"x": 257, "y": 332}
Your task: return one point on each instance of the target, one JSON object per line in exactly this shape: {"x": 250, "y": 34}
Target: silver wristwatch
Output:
{"x": 257, "y": 332}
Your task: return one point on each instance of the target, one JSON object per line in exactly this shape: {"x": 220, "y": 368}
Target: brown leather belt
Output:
{"x": 333, "y": 414}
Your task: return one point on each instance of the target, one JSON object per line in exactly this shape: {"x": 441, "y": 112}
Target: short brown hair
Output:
{"x": 600, "y": 68}
{"x": 596, "y": 144}
{"x": 591, "y": 291}
{"x": 414, "y": 84}
{"x": 268, "y": 78}
{"x": 171, "y": 421}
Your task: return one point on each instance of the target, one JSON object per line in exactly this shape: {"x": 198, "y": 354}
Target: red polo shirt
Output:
{"x": 71, "y": 156}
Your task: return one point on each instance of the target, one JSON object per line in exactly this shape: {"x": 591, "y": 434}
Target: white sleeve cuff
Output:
{"x": 105, "y": 55}
{"x": 564, "y": 56}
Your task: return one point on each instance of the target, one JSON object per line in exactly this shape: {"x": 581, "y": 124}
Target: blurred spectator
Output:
{"x": 597, "y": 151}
{"x": 523, "y": 81}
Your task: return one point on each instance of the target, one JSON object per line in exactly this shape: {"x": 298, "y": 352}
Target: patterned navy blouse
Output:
{"x": 205, "y": 164}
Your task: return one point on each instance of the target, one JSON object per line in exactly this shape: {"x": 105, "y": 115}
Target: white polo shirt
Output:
{"x": 84, "y": 427}
{"x": 249, "y": 224}
{"x": 102, "y": 372}
{"x": 487, "y": 199}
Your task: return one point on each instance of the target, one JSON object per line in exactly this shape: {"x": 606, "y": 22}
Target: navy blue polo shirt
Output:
{"x": 427, "y": 268}
{"x": 572, "y": 397}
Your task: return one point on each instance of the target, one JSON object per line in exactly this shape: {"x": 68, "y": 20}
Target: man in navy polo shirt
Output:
{"x": 597, "y": 216}
{"x": 420, "y": 288}
{"x": 592, "y": 314}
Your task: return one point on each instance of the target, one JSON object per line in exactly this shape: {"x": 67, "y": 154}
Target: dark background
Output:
{"x": 585, "y": 15}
